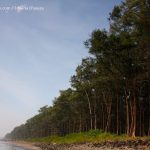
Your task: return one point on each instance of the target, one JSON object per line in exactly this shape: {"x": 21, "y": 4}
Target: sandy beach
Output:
{"x": 27, "y": 145}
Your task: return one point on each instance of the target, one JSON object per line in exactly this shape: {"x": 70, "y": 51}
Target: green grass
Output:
{"x": 93, "y": 136}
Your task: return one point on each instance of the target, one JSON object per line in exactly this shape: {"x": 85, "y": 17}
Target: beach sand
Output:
{"x": 27, "y": 145}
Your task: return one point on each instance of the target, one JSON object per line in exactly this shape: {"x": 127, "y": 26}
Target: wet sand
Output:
{"x": 26, "y": 145}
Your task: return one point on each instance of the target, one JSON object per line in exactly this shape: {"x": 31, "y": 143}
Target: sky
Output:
{"x": 41, "y": 44}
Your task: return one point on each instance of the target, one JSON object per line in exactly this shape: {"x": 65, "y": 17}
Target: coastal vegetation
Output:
{"x": 109, "y": 93}
{"x": 92, "y": 136}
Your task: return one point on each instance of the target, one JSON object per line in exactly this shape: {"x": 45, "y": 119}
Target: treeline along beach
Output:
{"x": 110, "y": 89}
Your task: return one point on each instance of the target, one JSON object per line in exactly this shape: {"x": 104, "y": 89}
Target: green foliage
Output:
{"x": 110, "y": 89}
{"x": 94, "y": 133}
{"x": 91, "y": 136}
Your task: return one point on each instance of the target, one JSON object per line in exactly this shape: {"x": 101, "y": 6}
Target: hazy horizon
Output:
{"x": 41, "y": 45}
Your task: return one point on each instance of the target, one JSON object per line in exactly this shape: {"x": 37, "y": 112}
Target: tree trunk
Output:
{"x": 133, "y": 115}
{"x": 80, "y": 126}
{"x": 108, "y": 117}
{"x": 103, "y": 118}
{"x": 117, "y": 116}
{"x": 95, "y": 121}
{"x": 95, "y": 115}
{"x": 149, "y": 128}
{"x": 140, "y": 126}
{"x": 90, "y": 110}
{"x": 134, "y": 118}
{"x": 127, "y": 113}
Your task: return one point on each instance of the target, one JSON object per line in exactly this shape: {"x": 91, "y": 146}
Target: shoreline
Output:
{"x": 107, "y": 145}
{"x": 23, "y": 144}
